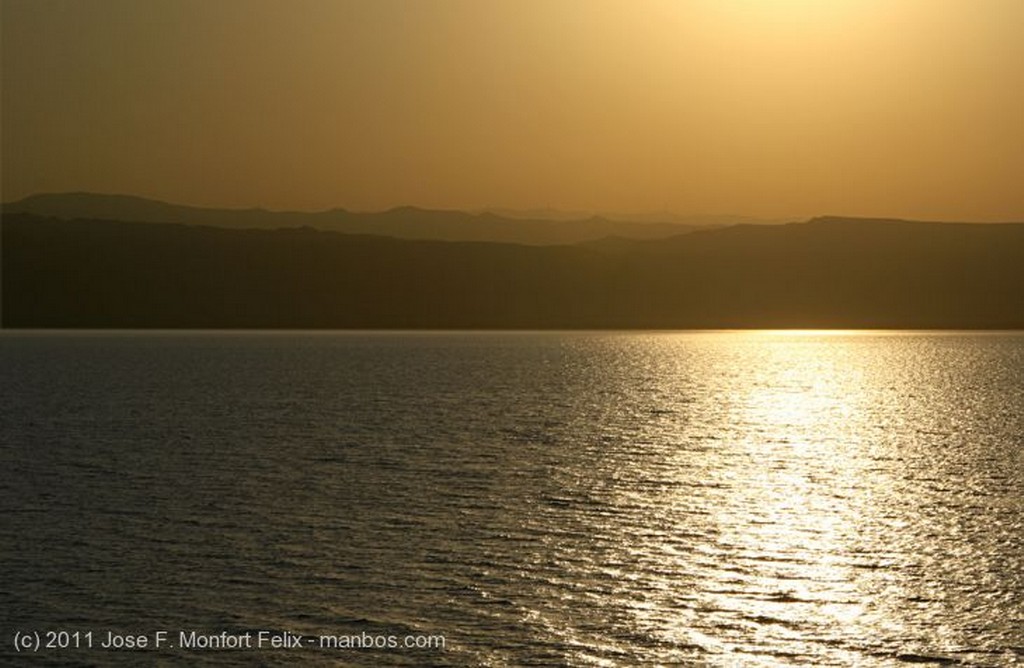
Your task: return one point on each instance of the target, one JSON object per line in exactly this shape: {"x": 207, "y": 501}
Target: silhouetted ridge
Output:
{"x": 824, "y": 273}
{"x": 406, "y": 222}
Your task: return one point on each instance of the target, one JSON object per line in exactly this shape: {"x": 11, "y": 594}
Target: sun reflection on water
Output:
{"x": 778, "y": 528}
{"x": 791, "y": 473}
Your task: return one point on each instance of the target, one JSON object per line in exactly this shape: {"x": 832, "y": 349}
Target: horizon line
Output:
{"x": 504, "y": 211}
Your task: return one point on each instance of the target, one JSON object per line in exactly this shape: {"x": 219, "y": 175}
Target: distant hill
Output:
{"x": 825, "y": 273}
{"x": 402, "y": 222}
{"x": 711, "y": 220}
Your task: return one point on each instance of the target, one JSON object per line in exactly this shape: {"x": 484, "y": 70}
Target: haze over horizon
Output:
{"x": 789, "y": 109}
{"x": 536, "y": 213}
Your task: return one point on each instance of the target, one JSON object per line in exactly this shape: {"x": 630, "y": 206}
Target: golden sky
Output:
{"x": 907, "y": 108}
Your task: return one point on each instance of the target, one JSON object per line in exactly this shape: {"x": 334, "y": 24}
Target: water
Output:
{"x": 535, "y": 498}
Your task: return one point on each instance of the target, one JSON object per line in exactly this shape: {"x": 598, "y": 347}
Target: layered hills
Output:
{"x": 531, "y": 228}
{"x": 823, "y": 273}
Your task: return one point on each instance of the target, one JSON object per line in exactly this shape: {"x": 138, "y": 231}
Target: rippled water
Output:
{"x": 538, "y": 499}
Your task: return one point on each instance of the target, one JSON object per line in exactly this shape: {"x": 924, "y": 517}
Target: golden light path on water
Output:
{"x": 780, "y": 501}
{"x": 798, "y": 425}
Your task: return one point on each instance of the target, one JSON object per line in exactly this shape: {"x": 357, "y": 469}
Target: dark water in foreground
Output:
{"x": 537, "y": 499}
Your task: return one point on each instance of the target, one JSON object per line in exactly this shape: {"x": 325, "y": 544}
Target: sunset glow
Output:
{"x": 908, "y": 108}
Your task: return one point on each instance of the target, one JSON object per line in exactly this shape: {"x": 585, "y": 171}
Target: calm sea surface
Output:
{"x": 536, "y": 498}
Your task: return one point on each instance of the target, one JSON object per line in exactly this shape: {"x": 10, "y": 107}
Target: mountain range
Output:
{"x": 536, "y": 228}
{"x": 828, "y": 272}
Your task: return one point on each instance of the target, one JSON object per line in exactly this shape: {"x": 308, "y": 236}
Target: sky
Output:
{"x": 774, "y": 108}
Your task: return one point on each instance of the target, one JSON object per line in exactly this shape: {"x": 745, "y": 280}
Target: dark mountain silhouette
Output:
{"x": 403, "y": 222}
{"x": 825, "y": 273}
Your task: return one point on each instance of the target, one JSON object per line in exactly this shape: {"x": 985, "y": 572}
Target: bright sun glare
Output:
{"x": 793, "y": 10}
{"x": 794, "y": 17}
